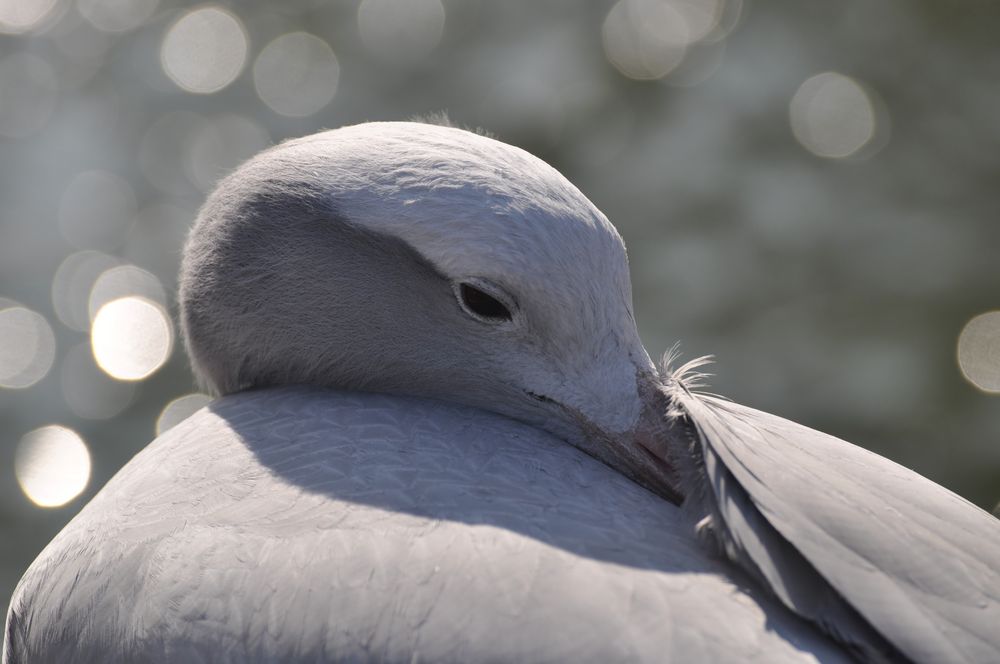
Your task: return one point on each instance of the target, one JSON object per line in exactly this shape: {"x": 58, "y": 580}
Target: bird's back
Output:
{"x": 309, "y": 525}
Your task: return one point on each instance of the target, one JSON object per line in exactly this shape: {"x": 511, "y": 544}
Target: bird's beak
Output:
{"x": 651, "y": 452}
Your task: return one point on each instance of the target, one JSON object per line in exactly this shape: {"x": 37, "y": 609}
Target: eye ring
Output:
{"x": 483, "y": 301}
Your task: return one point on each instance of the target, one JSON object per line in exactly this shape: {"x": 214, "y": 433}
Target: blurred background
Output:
{"x": 810, "y": 191}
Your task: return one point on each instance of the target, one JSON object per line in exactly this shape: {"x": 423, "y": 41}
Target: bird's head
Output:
{"x": 426, "y": 260}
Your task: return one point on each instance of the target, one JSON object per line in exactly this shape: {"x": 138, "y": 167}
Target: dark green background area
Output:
{"x": 831, "y": 292}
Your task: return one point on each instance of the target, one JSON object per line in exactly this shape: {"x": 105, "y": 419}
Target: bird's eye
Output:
{"x": 481, "y": 304}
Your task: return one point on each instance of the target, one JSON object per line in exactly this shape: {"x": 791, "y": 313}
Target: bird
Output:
{"x": 437, "y": 436}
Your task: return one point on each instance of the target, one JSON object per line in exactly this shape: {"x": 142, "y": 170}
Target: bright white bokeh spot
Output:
{"x": 979, "y": 351}
{"x": 17, "y": 16}
{"x": 179, "y": 410}
{"x": 89, "y": 392}
{"x": 401, "y": 30}
{"x": 204, "y": 50}
{"x": 52, "y": 465}
{"x": 832, "y": 115}
{"x": 122, "y": 281}
{"x": 28, "y": 91}
{"x": 131, "y": 338}
{"x": 72, "y": 283}
{"x": 27, "y": 347}
{"x": 219, "y": 145}
{"x": 97, "y": 210}
{"x": 116, "y": 15}
{"x": 296, "y": 74}
{"x": 645, "y": 39}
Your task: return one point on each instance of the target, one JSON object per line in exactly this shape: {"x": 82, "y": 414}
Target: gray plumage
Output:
{"x": 916, "y": 561}
{"x": 446, "y": 518}
{"x": 331, "y": 526}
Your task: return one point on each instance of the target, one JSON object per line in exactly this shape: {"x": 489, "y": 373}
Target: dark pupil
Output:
{"x": 482, "y": 304}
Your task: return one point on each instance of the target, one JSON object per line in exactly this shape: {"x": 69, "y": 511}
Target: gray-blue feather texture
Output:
{"x": 439, "y": 438}
{"x": 916, "y": 561}
{"x": 328, "y": 526}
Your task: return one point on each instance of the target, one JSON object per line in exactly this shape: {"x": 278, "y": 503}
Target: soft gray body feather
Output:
{"x": 298, "y": 525}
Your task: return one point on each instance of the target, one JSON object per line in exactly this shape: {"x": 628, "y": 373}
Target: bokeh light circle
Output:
{"x": 979, "y": 351}
{"x": 401, "y": 30}
{"x": 296, "y": 74}
{"x": 18, "y": 16}
{"x": 116, "y": 15}
{"x": 179, "y": 410}
{"x": 52, "y": 465}
{"x": 700, "y": 16}
{"x": 121, "y": 281}
{"x": 131, "y": 338}
{"x": 204, "y": 50}
{"x": 645, "y": 39}
{"x": 27, "y": 347}
{"x": 72, "y": 284}
{"x": 832, "y": 115}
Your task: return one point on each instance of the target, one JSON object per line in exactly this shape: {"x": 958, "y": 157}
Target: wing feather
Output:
{"x": 916, "y": 561}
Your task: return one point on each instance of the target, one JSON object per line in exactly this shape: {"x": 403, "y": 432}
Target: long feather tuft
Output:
{"x": 687, "y": 375}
